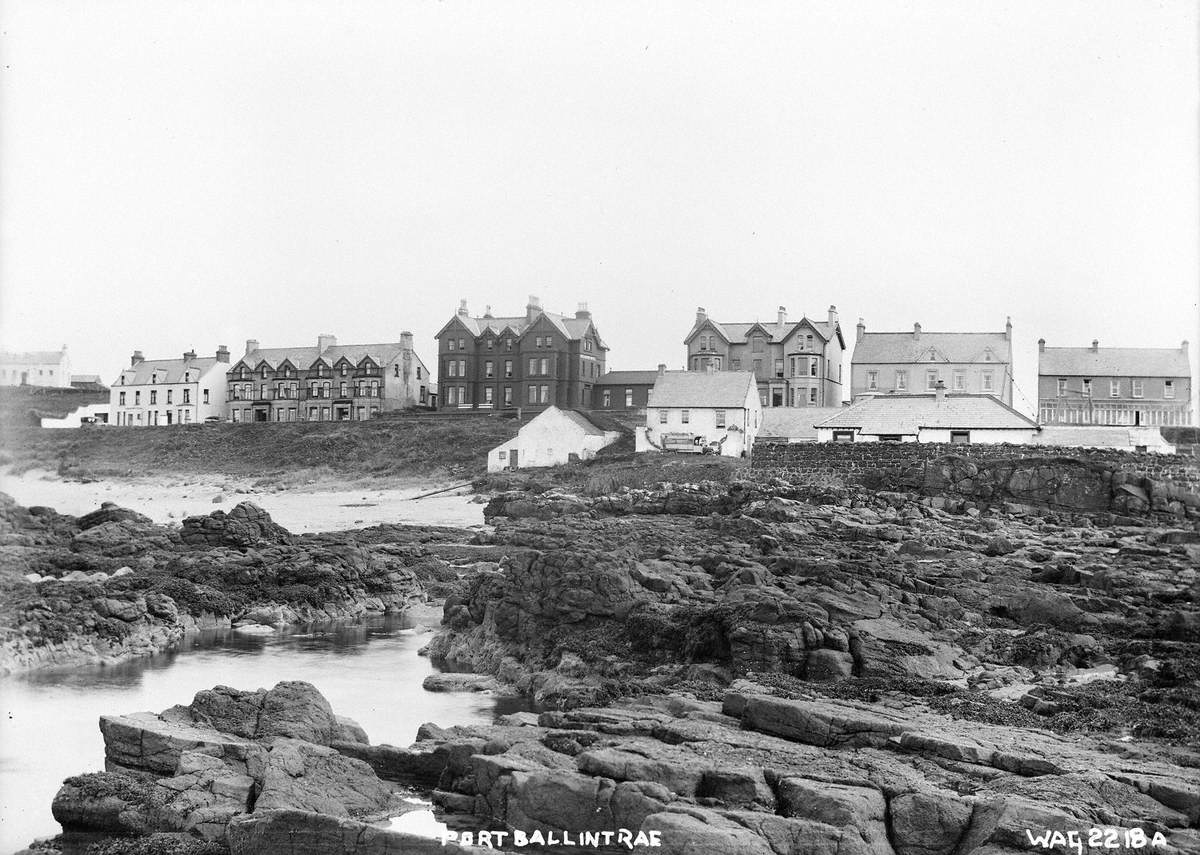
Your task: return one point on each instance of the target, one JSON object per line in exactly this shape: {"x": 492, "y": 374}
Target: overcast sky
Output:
{"x": 182, "y": 175}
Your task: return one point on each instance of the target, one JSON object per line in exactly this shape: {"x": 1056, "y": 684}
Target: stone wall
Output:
{"x": 1078, "y": 479}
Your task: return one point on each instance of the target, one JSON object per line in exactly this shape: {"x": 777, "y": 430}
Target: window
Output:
{"x": 662, "y": 417}
{"x": 1087, "y": 387}
{"x": 488, "y": 369}
{"x": 960, "y": 437}
{"x": 889, "y": 437}
{"x": 758, "y": 366}
{"x": 735, "y": 364}
{"x": 508, "y": 344}
{"x": 685, "y": 416}
{"x": 901, "y": 381}
{"x": 987, "y": 356}
{"x": 960, "y": 381}
{"x": 508, "y": 368}
{"x": 452, "y": 368}
{"x": 533, "y": 366}
{"x": 1114, "y": 388}
{"x": 628, "y": 398}
{"x": 462, "y": 344}
{"x": 344, "y": 369}
{"x": 487, "y": 395}
{"x": 756, "y": 344}
{"x": 342, "y": 389}
{"x": 137, "y": 398}
{"x": 450, "y": 344}
{"x": 545, "y": 365}
{"x": 462, "y": 368}
{"x": 1062, "y": 386}
{"x": 1139, "y": 388}
{"x": 988, "y": 385}
{"x": 808, "y": 342}
{"x": 508, "y": 396}
{"x": 169, "y": 396}
{"x": 872, "y": 380}
{"x": 606, "y": 398}
{"x": 451, "y": 394}
{"x": 812, "y": 367}
{"x": 843, "y": 436}
{"x": 122, "y": 399}
{"x": 418, "y": 371}
{"x": 490, "y": 344}
{"x": 1168, "y": 388}
{"x": 533, "y": 394}
{"x": 720, "y": 417}
{"x": 545, "y": 395}
{"x": 153, "y": 377}
{"x": 153, "y": 397}
{"x": 778, "y": 367}
{"x": 931, "y": 379}
{"x": 812, "y": 396}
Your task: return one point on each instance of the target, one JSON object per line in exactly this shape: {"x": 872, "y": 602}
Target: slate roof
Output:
{"x": 1102, "y": 436}
{"x": 903, "y": 347}
{"x": 32, "y": 357}
{"x": 1114, "y": 362}
{"x": 736, "y": 332}
{"x": 907, "y": 414}
{"x": 304, "y": 357}
{"x": 727, "y": 389}
{"x": 569, "y": 326}
{"x": 795, "y": 422}
{"x": 628, "y": 378}
{"x": 166, "y": 370}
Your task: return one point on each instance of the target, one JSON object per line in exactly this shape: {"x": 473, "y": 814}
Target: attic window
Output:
{"x": 932, "y": 356}
{"x": 987, "y": 356}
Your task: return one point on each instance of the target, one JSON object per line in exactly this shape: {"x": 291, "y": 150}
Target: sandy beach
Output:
{"x": 316, "y": 508}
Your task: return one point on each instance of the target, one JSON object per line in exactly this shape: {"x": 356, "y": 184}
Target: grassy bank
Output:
{"x": 398, "y": 447}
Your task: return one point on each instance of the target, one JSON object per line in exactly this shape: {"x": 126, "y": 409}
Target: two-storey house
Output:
{"x": 714, "y": 412}
{"x": 795, "y": 363}
{"x": 530, "y": 361}
{"x": 159, "y": 392}
{"x": 915, "y": 362}
{"x": 1114, "y": 385}
{"x": 329, "y": 382}
{"x": 35, "y": 368}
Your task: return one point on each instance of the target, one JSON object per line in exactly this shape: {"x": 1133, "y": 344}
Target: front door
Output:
{"x": 512, "y": 458}
{"x": 261, "y": 414}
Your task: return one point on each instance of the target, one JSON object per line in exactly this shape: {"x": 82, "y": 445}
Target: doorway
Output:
{"x": 512, "y": 459}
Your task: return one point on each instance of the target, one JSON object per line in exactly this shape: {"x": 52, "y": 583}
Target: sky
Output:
{"x": 179, "y": 175}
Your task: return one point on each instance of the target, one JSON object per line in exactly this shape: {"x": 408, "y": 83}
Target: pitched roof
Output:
{"x": 304, "y": 357}
{"x": 905, "y": 347}
{"x": 775, "y": 331}
{"x": 166, "y": 370}
{"x": 907, "y": 414}
{"x": 701, "y": 389}
{"x": 795, "y": 422}
{"x": 85, "y": 378}
{"x": 1114, "y": 362}
{"x": 33, "y": 357}
{"x": 627, "y": 378}
{"x": 577, "y": 418}
{"x": 570, "y": 327}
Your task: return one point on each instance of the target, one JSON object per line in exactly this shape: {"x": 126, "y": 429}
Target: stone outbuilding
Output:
{"x": 551, "y": 438}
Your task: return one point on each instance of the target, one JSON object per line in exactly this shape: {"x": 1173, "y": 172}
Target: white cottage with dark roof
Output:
{"x": 702, "y": 412}
{"x": 935, "y": 417}
{"x": 328, "y": 382}
{"x": 913, "y": 362}
{"x": 161, "y": 392}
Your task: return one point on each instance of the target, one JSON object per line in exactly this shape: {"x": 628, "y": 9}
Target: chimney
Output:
{"x": 251, "y": 345}
{"x": 701, "y": 315}
{"x": 582, "y": 311}
{"x": 191, "y": 354}
{"x": 917, "y": 331}
{"x": 406, "y": 341}
{"x": 781, "y": 318}
{"x": 1041, "y": 345}
{"x": 833, "y": 315}
{"x": 136, "y": 359}
{"x": 1184, "y": 346}
{"x": 532, "y": 309}
{"x": 1095, "y": 345}
{"x": 1008, "y": 328}
{"x": 222, "y": 353}
{"x": 487, "y": 311}
{"x": 860, "y": 329}
{"x": 462, "y": 308}
{"x": 325, "y": 341}
{"x": 662, "y": 369}
{"x": 939, "y": 391}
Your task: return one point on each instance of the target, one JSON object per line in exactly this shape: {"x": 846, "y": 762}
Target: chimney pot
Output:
{"x": 189, "y": 354}
{"x": 781, "y": 318}
{"x": 701, "y": 315}
{"x": 1095, "y": 345}
{"x": 1041, "y": 345}
{"x": 916, "y": 330}
{"x": 1184, "y": 346}
{"x": 582, "y": 311}
{"x": 833, "y": 314}
{"x": 136, "y": 358}
{"x": 222, "y": 353}
{"x": 860, "y": 329}
{"x": 662, "y": 369}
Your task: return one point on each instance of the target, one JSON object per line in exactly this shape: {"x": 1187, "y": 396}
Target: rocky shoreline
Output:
{"x": 750, "y": 667}
{"x": 112, "y": 585}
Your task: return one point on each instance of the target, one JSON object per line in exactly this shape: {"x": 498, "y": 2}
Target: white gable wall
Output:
{"x": 549, "y": 439}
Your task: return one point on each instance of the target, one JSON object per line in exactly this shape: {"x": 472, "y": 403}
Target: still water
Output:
{"x": 368, "y": 671}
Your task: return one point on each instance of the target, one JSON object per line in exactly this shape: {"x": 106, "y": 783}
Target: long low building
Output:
{"x": 937, "y": 417}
